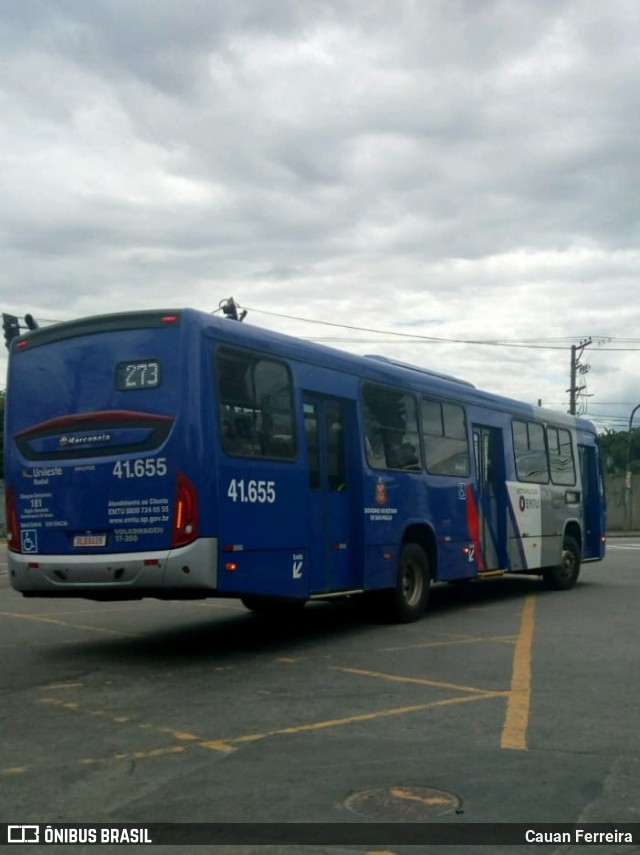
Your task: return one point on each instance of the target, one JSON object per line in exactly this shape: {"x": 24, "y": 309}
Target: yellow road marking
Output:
{"x": 135, "y": 755}
{"x": 180, "y": 735}
{"x": 467, "y": 640}
{"x": 55, "y": 686}
{"x": 225, "y": 746}
{"x": 43, "y": 619}
{"x": 399, "y": 793}
{"x": 154, "y": 752}
{"x": 334, "y": 722}
{"x": 338, "y": 722}
{"x": 514, "y": 731}
{"x": 217, "y": 745}
{"x": 417, "y": 680}
{"x": 513, "y": 734}
{"x": 105, "y": 607}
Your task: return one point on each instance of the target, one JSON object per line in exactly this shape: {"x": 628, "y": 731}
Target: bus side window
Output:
{"x": 444, "y": 431}
{"x": 530, "y": 452}
{"x": 255, "y": 406}
{"x": 237, "y": 432}
{"x": 391, "y": 433}
{"x": 313, "y": 448}
{"x": 563, "y": 470}
{"x": 336, "y": 450}
{"x": 374, "y": 441}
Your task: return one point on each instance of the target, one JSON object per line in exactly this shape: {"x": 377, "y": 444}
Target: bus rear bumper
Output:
{"x": 167, "y": 574}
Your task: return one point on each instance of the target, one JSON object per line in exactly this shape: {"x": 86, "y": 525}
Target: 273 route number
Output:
{"x": 263, "y": 492}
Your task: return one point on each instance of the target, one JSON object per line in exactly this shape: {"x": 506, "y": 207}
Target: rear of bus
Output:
{"x": 103, "y": 456}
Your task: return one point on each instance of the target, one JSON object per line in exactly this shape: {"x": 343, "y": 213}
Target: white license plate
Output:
{"x": 85, "y": 540}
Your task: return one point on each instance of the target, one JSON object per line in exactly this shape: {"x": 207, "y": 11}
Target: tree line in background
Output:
{"x": 614, "y": 447}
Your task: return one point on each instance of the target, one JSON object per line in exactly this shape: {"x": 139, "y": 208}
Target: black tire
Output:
{"x": 565, "y": 575}
{"x": 407, "y": 602}
{"x": 272, "y": 606}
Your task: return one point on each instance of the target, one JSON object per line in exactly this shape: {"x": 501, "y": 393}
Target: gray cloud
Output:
{"x": 468, "y": 166}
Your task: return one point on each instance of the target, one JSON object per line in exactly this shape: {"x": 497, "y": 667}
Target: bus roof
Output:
{"x": 373, "y": 367}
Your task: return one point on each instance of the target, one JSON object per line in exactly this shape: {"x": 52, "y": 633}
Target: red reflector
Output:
{"x": 21, "y": 345}
{"x": 33, "y": 565}
{"x": 13, "y": 526}
{"x": 151, "y": 562}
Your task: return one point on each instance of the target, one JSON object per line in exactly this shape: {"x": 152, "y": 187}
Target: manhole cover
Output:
{"x": 402, "y": 803}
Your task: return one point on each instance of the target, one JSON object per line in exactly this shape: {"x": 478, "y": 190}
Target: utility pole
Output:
{"x": 577, "y": 368}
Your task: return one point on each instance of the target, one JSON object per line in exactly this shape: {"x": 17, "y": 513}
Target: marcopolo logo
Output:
{"x": 86, "y": 439}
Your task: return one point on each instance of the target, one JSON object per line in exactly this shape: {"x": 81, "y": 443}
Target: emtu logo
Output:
{"x": 23, "y": 834}
{"x": 527, "y": 504}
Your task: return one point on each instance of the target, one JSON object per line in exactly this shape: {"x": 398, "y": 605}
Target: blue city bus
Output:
{"x": 177, "y": 454}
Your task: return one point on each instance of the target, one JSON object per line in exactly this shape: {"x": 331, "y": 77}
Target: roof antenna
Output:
{"x": 230, "y": 309}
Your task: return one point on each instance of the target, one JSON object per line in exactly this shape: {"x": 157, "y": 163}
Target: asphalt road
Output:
{"x": 505, "y": 704}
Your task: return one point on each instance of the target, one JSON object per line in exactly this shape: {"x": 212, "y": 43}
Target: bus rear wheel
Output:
{"x": 407, "y": 602}
{"x": 564, "y": 575}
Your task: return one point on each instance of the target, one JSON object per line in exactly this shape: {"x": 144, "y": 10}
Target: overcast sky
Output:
{"x": 454, "y": 169}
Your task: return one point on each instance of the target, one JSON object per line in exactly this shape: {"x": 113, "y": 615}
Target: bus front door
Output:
{"x": 593, "y": 503}
{"x": 328, "y": 425}
{"x": 491, "y": 500}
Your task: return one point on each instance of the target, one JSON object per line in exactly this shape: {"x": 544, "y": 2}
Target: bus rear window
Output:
{"x": 255, "y": 405}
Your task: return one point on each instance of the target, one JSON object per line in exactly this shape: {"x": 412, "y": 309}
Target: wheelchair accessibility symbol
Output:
{"x": 29, "y": 540}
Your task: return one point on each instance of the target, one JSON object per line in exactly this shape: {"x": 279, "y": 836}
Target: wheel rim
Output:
{"x": 567, "y": 564}
{"x": 412, "y": 582}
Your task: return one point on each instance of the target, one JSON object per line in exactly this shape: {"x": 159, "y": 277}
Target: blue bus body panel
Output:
{"x": 98, "y": 468}
{"x": 261, "y": 539}
{"x": 87, "y": 460}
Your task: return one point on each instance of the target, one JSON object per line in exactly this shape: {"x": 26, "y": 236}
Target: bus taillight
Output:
{"x": 13, "y": 526}
{"x": 185, "y": 518}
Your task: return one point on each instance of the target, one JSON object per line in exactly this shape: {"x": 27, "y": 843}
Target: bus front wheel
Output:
{"x": 564, "y": 575}
{"x": 408, "y": 600}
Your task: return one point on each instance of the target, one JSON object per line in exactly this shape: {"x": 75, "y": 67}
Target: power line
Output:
{"x": 413, "y": 338}
{"x": 538, "y": 343}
